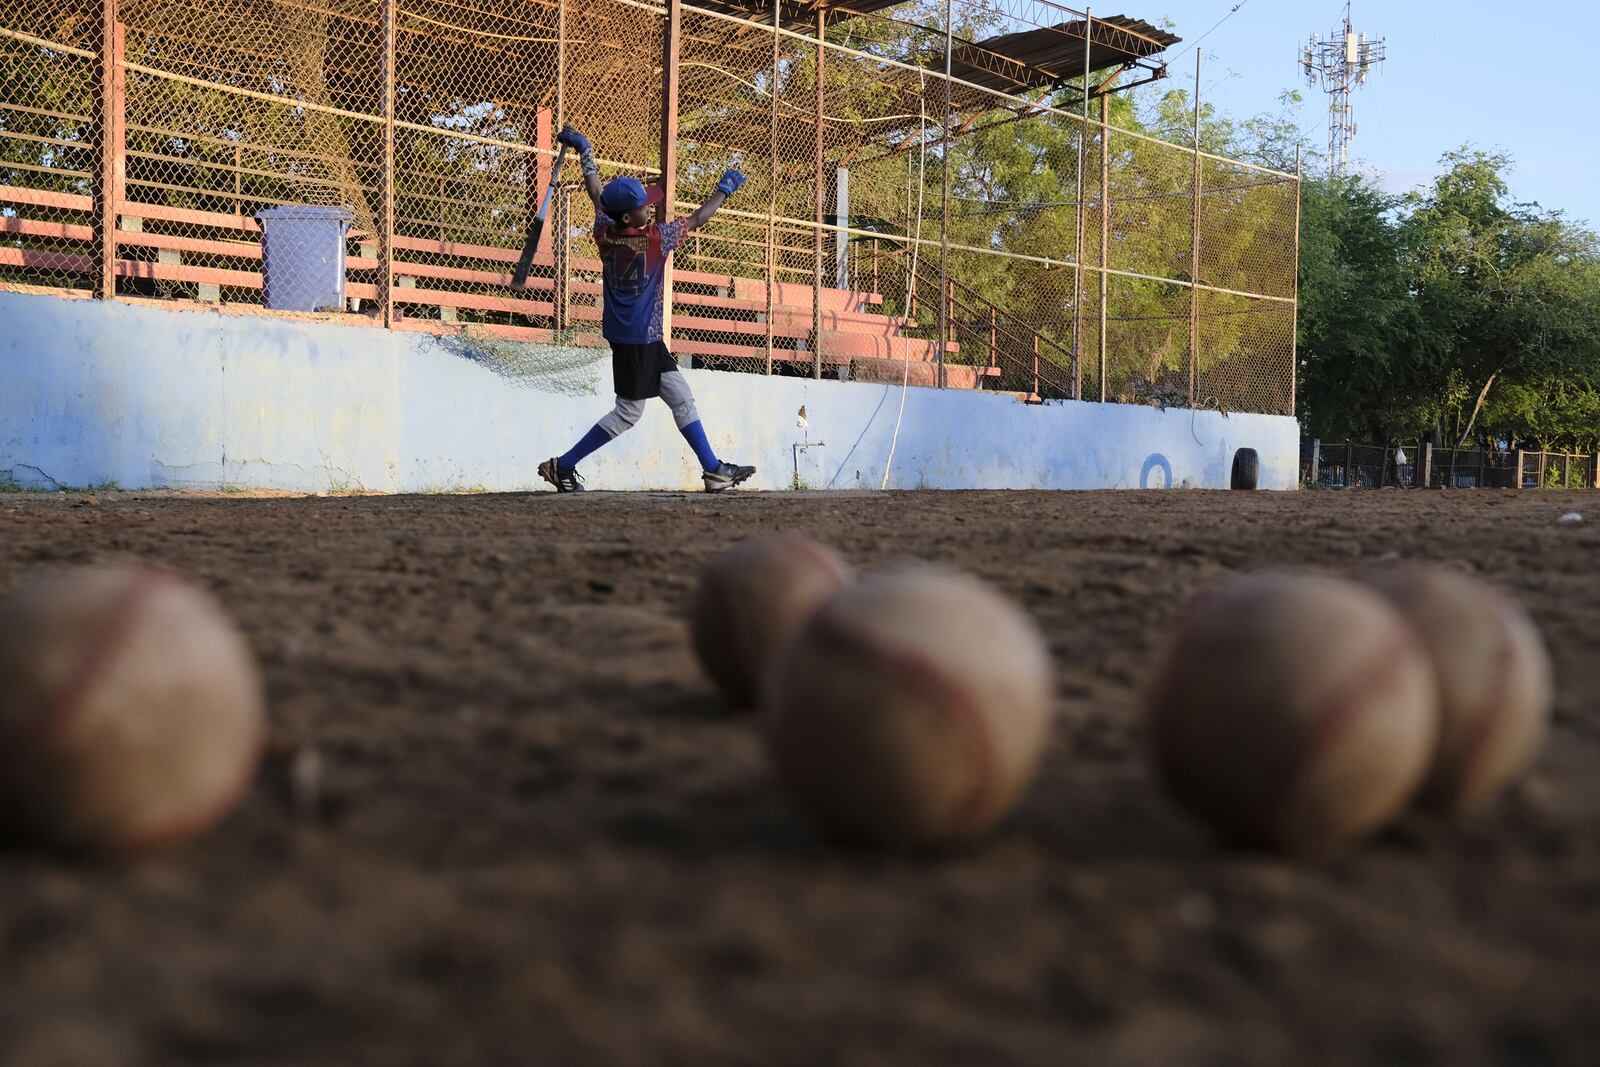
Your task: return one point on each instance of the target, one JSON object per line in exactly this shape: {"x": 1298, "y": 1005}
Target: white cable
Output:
{"x": 911, "y": 275}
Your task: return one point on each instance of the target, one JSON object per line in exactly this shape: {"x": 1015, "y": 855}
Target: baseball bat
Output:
{"x": 536, "y": 228}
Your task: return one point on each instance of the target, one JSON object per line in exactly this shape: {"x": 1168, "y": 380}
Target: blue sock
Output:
{"x": 591, "y": 441}
{"x": 695, "y": 434}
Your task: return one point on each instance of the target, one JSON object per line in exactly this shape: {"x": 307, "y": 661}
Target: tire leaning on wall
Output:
{"x": 1246, "y": 469}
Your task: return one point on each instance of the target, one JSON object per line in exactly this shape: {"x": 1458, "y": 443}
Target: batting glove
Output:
{"x": 573, "y": 139}
{"x": 730, "y": 183}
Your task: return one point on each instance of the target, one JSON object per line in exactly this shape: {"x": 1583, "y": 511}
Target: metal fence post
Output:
{"x": 671, "y": 35}
{"x": 1294, "y": 309}
{"x": 1351, "y": 480}
{"x": 1516, "y": 480}
{"x": 108, "y": 121}
{"x": 1077, "y": 240}
{"x": 772, "y": 182}
{"x": 944, "y": 193}
{"x": 1194, "y": 249}
{"x": 1105, "y": 234}
{"x": 1316, "y": 460}
{"x": 386, "y": 210}
{"x": 820, "y": 195}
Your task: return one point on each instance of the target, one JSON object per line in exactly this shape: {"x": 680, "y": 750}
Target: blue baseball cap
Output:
{"x": 624, "y": 194}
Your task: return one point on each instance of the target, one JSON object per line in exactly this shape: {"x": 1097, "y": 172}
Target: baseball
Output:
{"x": 912, "y": 709}
{"x": 753, "y": 597}
{"x": 131, "y": 715}
{"x": 1293, "y": 712}
{"x": 1493, "y": 675}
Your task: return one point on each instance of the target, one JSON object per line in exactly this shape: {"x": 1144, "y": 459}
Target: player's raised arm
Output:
{"x": 591, "y": 170}
{"x": 729, "y": 185}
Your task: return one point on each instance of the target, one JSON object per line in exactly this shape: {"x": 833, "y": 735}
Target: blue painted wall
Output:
{"x": 147, "y": 397}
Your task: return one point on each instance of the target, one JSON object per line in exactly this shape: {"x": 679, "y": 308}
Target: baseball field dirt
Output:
{"x": 504, "y": 819}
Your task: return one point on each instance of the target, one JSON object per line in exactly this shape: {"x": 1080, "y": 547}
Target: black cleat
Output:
{"x": 564, "y": 481}
{"x": 726, "y": 476}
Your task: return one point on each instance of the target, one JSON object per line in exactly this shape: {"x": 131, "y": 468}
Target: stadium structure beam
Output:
{"x": 108, "y": 120}
{"x": 671, "y": 34}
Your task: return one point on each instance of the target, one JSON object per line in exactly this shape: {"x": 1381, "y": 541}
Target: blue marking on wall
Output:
{"x": 1156, "y": 462}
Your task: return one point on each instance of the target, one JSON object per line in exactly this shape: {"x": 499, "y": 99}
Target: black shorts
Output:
{"x": 636, "y": 370}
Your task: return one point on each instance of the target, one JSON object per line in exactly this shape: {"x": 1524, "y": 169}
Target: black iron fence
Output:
{"x": 1418, "y": 464}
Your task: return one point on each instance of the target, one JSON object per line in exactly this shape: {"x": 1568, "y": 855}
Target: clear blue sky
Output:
{"x": 1445, "y": 83}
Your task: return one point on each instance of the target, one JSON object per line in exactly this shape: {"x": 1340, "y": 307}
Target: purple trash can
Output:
{"x": 302, "y": 256}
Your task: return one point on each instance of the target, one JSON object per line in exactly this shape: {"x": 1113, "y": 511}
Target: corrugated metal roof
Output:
{"x": 1039, "y": 58}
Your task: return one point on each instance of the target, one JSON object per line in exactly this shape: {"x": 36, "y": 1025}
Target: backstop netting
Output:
{"x": 933, "y": 196}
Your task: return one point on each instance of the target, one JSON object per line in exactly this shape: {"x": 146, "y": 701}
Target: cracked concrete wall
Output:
{"x": 146, "y": 397}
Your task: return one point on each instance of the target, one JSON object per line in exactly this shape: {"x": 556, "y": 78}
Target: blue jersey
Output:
{"x": 634, "y": 265}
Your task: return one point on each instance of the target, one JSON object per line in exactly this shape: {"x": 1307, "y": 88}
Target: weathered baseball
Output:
{"x": 130, "y": 713}
{"x": 1293, "y": 712}
{"x": 751, "y": 598}
{"x": 1493, "y": 675}
{"x": 913, "y": 708}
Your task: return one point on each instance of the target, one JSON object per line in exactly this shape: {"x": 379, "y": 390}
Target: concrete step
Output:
{"x": 866, "y": 346}
{"x": 892, "y": 372}
{"x": 864, "y": 322}
{"x": 795, "y": 295}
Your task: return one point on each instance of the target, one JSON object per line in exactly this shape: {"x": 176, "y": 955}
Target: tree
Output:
{"x": 1509, "y": 289}
{"x": 1367, "y": 358}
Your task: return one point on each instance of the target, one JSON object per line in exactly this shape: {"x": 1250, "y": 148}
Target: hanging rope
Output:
{"x": 911, "y": 272}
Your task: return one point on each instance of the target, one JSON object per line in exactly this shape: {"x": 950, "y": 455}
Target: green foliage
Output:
{"x": 1455, "y": 312}
{"x": 1362, "y": 338}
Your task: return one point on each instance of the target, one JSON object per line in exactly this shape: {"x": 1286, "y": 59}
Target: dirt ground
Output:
{"x": 541, "y": 839}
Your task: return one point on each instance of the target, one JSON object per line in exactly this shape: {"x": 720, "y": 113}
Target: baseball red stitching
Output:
{"x": 944, "y": 691}
{"x": 1491, "y": 714}
{"x": 58, "y": 717}
{"x": 1333, "y": 720}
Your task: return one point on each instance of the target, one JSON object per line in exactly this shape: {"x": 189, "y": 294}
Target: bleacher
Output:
{"x": 721, "y": 321}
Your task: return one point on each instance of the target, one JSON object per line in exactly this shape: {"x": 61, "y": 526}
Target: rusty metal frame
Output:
{"x": 1105, "y": 235}
{"x": 385, "y": 221}
{"x": 100, "y": 271}
{"x": 108, "y": 118}
{"x": 820, "y": 194}
{"x": 944, "y": 194}
{"x": 1077, "y": 243}
{"x": 671, "y": 36}
{"x": 772, "y": 187}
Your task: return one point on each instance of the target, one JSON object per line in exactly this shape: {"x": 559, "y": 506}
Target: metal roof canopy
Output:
{"x": 1049, "y": 56}
{"x": 1045, "y": 57}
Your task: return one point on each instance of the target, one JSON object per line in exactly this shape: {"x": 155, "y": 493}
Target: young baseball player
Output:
{"x": 633, "y": 254}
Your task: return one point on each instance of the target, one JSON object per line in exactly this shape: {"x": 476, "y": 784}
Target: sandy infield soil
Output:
{"x": 541, "y": 839}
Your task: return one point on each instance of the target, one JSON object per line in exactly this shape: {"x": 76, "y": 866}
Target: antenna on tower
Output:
{"x": 1341, "y": 63}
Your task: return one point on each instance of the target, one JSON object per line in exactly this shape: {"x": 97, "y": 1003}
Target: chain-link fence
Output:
{"x": 934, "y": 195}
{"x": 1414, "y": 465}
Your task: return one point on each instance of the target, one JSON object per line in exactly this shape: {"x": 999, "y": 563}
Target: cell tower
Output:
{"x": 1341, "y": 63}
